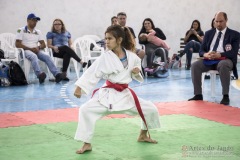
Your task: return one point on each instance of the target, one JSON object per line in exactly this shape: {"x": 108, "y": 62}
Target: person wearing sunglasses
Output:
{"x": 59, "y": 40}
{"x": 32, "y": 42}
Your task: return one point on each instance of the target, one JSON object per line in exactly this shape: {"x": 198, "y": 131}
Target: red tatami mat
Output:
{"x": 206, "y": 110}
{"x": 10, "y": 120}
{"x": 202, "y": 109}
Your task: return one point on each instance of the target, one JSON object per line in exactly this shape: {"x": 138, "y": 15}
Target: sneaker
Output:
{"x": 181, "y": 53}
{"x": 84, "y": 64}
{"x": 89, "y": 63}
{"x": 207, "y": 76}
{"x": 225, "y": 100}
{"x": 66, "y": 79}
{"x": 188, "y": 67}
{"x": 64, "y": 76}
{"x": 198, "y": 97}
{"x": 42, "y": 76}
{"x": 177, "y": 57}
{"x": 59, "y": 77}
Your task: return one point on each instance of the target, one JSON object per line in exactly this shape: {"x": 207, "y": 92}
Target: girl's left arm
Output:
{"x": 136, "y": 72}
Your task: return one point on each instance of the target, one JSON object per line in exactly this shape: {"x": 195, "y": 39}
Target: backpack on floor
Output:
{"x": 175, "y": 62}
{"x": 16, "y": 74}
{"x": 1, "y": 54}
{"x": 4, "y": 79}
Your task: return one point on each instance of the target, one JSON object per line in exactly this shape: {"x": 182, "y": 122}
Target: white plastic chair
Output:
{"x": 57, "y": 60}
{"x": 93, "y": 37}
{"x": 11, "y": 53}
{"x": 8, "y": 39}
{"x": 82, "y": 47}
{"x": 213, "y": 74}
{"x": 7, "y": 44}
{"x": 96, "y": 49}
{"x": 27, "y": 65}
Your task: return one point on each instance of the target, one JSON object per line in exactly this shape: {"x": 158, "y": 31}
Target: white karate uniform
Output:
{"x": 108, "y": 100}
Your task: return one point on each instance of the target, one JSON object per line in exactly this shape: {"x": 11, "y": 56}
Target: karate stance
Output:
{"x": 119, "y": 65}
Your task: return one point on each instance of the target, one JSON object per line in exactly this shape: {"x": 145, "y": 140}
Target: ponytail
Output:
{"x": 128, "y": 41}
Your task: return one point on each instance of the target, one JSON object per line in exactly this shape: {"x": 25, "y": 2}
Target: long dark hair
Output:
{"x": 212, "y": 24}
{"x": 199, "y": 25}
{"x": 63, "y": 26}
{"x": 143, "y": 30}
{"x": 122, "y": 32}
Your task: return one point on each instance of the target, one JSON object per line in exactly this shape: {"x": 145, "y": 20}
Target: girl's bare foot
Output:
{"x": 86, "y": 147}
{"x": 144, "y": 138}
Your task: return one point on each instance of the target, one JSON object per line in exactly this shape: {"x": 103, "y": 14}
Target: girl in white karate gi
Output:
{"x": 119, "y": 65}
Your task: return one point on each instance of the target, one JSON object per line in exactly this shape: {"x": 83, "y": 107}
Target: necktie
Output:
{"x": 217, "y": 41}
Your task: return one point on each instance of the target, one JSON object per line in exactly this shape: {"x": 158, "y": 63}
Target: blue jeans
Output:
{"x": 191, "y": 46}
{"x": 33, "y": 58}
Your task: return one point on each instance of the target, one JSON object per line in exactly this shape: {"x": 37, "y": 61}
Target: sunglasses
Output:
{"x": 34, "y": 20}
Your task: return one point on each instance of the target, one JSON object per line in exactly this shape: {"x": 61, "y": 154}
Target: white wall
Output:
{"x": 81, "y": 17}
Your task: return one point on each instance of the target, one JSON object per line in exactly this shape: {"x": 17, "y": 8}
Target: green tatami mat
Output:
{"x": 181, "y": 137}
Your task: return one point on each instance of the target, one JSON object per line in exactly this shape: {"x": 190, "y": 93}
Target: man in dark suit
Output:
{"x": 219, "y": 50}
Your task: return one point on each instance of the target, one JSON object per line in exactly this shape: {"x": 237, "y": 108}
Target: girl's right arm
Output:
{"x": 77, "y": 92}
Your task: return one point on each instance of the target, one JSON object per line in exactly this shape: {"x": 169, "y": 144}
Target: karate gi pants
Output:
{"x": 93, "y": 110}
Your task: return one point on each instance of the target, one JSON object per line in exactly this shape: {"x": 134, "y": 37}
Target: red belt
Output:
{"x": 120, "y": 88}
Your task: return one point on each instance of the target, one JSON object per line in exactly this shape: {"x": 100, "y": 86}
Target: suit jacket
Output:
{"x": 231, "y": 44}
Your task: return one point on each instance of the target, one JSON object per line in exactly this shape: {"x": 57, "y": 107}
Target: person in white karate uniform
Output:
{"x": 119, "y": 65}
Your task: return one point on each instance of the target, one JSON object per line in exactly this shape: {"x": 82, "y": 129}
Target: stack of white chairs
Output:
{"x": 82, "y": 46}
{"x": 7, "y": 43}
{"x": 96, "y": 50}
{"x": 93, "y": 37}
{"x": 15, "y": 54}
{"x": 11, "y": 53}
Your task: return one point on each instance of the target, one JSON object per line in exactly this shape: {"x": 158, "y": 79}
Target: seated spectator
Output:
{"x": 59, "y": 40}
{"x": 144, "y": 38}
{"x": 28, "y": 38}
{"x": 122, "y": 17}
{"x": 157, "y": 41}
{"x": 114, "y": 21}
{"x": 193, "y": 40}
{"x": 219, "y": 51}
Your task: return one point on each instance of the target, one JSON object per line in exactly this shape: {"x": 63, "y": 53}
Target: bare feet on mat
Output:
{"x": 144, "y": 138}
{"x": 86, "y": 147}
